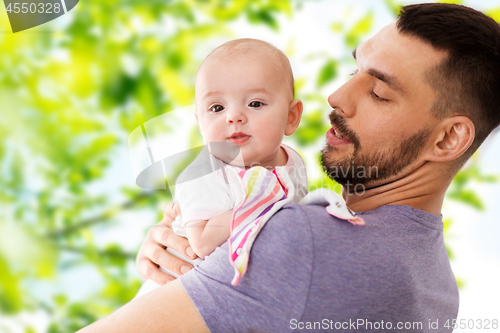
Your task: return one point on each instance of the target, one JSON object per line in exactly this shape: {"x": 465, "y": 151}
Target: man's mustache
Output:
{"x": 341, "y": 125}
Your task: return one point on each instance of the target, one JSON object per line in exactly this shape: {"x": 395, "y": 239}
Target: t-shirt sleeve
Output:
{"x": 275, "y": 287}
{"x": 202, "y": 198}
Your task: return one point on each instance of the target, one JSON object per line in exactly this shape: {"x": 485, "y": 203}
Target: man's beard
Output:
{"x": 371, "y": 166}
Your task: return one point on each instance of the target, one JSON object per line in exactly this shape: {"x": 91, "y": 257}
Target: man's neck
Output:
{"x": 423, "y": 188}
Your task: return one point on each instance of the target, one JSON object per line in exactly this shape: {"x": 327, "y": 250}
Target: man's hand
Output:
{"x": 152, "y": 253}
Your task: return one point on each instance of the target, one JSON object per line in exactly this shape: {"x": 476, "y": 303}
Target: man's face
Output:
{"x": 382, "y": 112}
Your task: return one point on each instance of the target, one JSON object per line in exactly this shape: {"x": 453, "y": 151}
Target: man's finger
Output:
{"x": 170, "y": 211}
{"x": 154, "y": 273}
{"x": 161, "y": 257}
{"x": 167, "y": 237}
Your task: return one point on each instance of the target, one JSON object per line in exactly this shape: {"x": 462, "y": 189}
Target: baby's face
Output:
{"x": 244, "y": 100}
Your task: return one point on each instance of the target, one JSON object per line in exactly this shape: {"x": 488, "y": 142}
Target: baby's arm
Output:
{"x": 205, "y": 235}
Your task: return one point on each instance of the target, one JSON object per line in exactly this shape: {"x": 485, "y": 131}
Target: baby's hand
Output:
{"x": 152, "y": 253}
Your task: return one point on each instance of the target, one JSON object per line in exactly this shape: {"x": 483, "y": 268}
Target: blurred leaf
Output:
{"x": 312, "y": 127}
{"x": 10, "y": 289}
{"x": 393, "y": 6}
{"x": 325, "y": 182}
{"x": 494, "y": 13}
{"x": 327, "y": 73}
{"x": 262, "y": 16}
{"x": 468, "y": 174}
{"x": 457, "y": 2}
{"x": 460, "y": 282}
{"x": 337, "y": 27}
{"x": 451, "y": 255}
{"x": 114, "y": 255}
{"x": 181, "y": 10}
{"x": 223, "y": 10}
{"x": 26, "y": 252}
{"x": 60, "y": 300}
{"x": 118, "y": 90}
{"x": 298, "y": 85}
{"x": 447, "y": 222}
{"x": 73, "y": 317}
{"x": 122, "y": 290}
{"x": 467, "y": 197}
{"x": 360, "y": 29}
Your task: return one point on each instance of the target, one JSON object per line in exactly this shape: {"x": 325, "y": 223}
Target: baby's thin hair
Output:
{"x": 246, "y": 46}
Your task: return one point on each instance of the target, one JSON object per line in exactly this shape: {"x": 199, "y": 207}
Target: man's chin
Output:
{"x": 365, "y": 178}
{"x": 344, "y": 170}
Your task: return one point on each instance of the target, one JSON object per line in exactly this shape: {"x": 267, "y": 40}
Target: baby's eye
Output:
{"x": 216, "y": 108}
{"x": 255, "y": 104}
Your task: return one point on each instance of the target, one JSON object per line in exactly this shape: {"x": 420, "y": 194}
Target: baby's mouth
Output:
{"x": 238, "y": 135}
{"x": 238, "y": 138}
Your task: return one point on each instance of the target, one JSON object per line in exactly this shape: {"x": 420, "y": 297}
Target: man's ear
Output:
{"x": 455, "y": 136}
{"x": 294, "y": 116}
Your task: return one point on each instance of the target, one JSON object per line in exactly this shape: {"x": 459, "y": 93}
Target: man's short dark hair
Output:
{"x": 467, "y": 82}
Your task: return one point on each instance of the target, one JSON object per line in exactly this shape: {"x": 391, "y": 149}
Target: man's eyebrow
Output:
{"x": 391, "y": 81}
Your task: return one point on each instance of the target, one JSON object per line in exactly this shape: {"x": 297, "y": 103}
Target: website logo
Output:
{"x": 28, "y": 14}
{"x": 168, "y": 150}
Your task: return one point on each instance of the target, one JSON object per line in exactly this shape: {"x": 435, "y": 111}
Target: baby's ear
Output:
{"x": 294, "y": 116}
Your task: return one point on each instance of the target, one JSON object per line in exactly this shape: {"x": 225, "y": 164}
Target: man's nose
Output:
{"x": 236, "y": 116}
{"x": 344, "y": 98}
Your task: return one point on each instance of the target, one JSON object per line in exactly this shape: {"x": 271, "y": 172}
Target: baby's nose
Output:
{"x": 236, "y": 116}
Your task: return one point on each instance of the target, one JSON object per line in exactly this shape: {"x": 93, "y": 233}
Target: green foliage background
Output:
{"x": 69, "y": 99}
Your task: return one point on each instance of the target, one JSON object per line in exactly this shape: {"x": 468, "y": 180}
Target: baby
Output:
{"x": 244, "y": 97}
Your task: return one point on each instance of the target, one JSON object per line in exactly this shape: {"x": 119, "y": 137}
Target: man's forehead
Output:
{"x": 398, "y": 54}
{"x": 390, "y": 40}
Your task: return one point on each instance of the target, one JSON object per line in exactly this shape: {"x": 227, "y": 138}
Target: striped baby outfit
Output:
{"x": 261, "y": 194}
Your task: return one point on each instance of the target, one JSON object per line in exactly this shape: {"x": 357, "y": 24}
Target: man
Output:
{"x": 424, "y": 97}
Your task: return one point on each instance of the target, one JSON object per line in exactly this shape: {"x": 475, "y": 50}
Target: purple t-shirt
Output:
{"x": 311, "y": 271}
